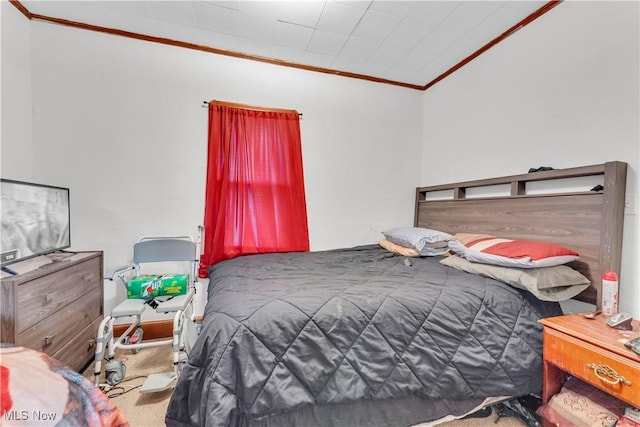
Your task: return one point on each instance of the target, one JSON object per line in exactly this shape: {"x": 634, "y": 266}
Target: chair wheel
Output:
{"x": 115, "y": 372}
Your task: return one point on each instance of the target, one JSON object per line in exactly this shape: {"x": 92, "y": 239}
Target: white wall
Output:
{"x": 120, "y": 122}
{"x": 15, "y": 88}
{"x": 561, "y": 92}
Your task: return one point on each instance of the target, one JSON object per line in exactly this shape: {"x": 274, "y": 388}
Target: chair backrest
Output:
{"x": 164, "y": 249}
{"x": 167, "y": 249}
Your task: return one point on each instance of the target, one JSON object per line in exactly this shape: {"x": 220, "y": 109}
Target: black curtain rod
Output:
{"x": 206, "y": 103}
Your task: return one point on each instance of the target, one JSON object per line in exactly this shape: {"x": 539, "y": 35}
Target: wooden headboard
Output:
{"x": 588, "y": 221}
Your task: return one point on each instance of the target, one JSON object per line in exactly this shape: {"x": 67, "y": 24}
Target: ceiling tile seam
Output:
{"x": 436, "y": 26}
{"x": 439, "y": 54}
{"x": 533, "y": 16}
{"x": 380, "y": 43}
{"x": 148, "y": 8}
{"x": 549, "y": 5}
{"x": 315, "y": 28}
{"x": 414, "y": 47}
{"x": 194, "y": 17}
{"x": 204, "y": 48}
{"x": 351, "y": 33}
{"x": 218, "y": 51}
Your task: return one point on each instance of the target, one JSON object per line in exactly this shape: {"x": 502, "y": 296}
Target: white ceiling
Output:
{"x": 411, "y": 42}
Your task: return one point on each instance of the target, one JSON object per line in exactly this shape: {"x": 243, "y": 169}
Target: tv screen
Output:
{"x": 35, "y": 220}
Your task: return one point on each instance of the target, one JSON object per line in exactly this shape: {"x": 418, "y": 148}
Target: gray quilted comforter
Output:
{"x": 285, "y": 331}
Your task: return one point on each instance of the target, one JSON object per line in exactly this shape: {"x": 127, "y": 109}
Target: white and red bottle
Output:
{"x": 609, "y": 293}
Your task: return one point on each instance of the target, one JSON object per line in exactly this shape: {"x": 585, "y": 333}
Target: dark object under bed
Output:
{"x": 355, "y": 337}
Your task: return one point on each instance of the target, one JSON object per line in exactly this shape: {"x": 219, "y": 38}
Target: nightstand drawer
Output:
{"x": 606, "y": 370}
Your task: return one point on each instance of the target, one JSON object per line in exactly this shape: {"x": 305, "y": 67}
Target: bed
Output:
{"x": 364, "y": 336}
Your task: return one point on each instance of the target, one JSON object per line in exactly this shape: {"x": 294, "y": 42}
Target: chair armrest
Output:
{"x": 113, "y": 272}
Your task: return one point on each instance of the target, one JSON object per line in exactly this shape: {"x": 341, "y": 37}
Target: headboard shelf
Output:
{"x": 421, "y": 197}
{"x": 590, "y": 222}
{"x": 518, "y": 182}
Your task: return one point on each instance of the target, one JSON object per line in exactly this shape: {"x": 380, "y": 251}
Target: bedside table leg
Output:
{"x": 552, "y": 380}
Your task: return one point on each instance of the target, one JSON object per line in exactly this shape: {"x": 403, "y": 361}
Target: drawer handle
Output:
{"x": 48, "y": 297}
{"x": 608, "y": 375}
{"x": 49, "y": 339}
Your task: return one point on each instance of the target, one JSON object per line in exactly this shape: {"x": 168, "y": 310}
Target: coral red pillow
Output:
{"x": 487, "y": 249}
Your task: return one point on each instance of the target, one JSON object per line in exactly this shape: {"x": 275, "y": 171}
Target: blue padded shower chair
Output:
{"x": 147, "y": 250}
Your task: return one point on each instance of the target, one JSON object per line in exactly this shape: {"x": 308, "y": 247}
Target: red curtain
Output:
{"x": 255, "y": 200}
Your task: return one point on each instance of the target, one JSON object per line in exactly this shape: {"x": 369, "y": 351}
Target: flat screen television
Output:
{"x": 35, "y": 219}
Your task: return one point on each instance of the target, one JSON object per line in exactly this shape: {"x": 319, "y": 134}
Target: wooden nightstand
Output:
{"x": 592, "y": 351}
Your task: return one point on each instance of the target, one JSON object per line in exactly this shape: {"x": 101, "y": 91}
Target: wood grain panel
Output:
{"x": 80, "y": 350}
{"x": 572, "y": 343}
{"x": 613, "y": 217}
{"x": 597, "y": 332}
{"x": 574, "y": 218}
{"x": 62, "y": 326}
{"x": 153, "y": 329}
{"x": 62, "y": 301}
{"x": 589, "y": 222}
{"x": 577, "y": 358}
{"x": 571, "y": 220}
{"x": 37, "y": 299}
{"x": 7, "y": 305}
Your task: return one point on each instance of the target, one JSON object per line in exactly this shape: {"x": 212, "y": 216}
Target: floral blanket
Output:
{"x": 37, "y": 390}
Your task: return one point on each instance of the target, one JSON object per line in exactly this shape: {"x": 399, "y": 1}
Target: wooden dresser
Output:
{"x": 592, "y": 351}
{"x": 56, "y": 308}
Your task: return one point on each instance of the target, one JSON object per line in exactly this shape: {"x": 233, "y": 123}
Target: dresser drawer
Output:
{"x": 81, "y": 349}
{"x": 594, "y": 365}
{"x": 54, "y": 332}
{"x": 38, "y": 299}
